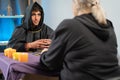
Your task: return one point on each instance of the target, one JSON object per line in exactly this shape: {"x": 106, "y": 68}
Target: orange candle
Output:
{"x": 23, "y": 57}
{"x": 15, "y": 55}
{"x": 11, "y": 51}
{"x": 6, "y": 51}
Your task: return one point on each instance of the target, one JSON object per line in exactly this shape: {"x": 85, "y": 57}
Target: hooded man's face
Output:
{"x": 36, "y": 17}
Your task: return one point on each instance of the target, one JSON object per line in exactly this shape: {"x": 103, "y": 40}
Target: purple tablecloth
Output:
{"x": 14, "y": 70}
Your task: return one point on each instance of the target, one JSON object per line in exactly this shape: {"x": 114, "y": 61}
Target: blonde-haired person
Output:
{"x": 84, "y": 47}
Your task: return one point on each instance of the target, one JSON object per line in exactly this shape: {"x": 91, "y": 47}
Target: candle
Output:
{"x": 6, "y": 51}
{"x": 23, "y": 57}
{"x": 9, "y": 51}
{"x": 15, "y": 55}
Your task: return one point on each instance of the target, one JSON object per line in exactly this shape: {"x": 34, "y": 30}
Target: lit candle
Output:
{"x": 23, "y": 57}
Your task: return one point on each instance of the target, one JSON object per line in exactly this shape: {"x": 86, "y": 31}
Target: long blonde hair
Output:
{"x": 94, "y": 7}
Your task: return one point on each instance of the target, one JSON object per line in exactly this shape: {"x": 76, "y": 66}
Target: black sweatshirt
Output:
{"x": 82, "y": 49}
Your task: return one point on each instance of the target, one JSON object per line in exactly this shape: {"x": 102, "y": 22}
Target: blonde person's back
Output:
{"x": 85, "y": 47}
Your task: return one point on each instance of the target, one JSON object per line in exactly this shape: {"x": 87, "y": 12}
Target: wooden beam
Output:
{"x": 28, "y": 2}
{"x": 39, "y": 1}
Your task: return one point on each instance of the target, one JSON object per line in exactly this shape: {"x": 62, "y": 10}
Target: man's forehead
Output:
{"x": 36, "y": 12}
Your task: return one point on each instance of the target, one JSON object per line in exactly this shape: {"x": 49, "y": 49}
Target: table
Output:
{"x": 14, "y": 70}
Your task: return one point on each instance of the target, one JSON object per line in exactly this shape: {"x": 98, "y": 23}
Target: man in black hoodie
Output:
{"x": 33, "y": 34}
{"x": 85, "y": 47}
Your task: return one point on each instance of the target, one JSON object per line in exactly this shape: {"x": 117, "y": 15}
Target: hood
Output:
{"x": 27, "y": 21}
{"x": 101, "y": 31}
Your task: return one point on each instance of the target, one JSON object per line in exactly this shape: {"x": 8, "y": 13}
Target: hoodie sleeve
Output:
{"x": 64, "y": 39}
{"x": 17, "y": 41}
{"x": 49, "y": 32}
{"x": 53, "y": 59}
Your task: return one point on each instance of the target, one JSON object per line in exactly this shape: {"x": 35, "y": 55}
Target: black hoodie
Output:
{"x": 82, "y": 49}
{"x": 101, "y": 31}
{"x": 25, "y": 33}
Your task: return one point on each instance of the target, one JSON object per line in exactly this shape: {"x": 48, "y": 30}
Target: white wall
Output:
{"x": 57, "y": 10}
{"x": 113, "y": 13}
